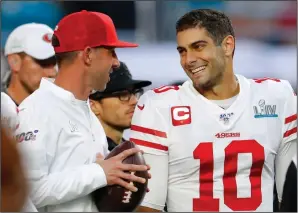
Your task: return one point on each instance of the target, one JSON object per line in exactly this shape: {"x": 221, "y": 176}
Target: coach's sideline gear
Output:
{"x": 68, "y": 126}
{"x": 32, "y": 39}
{"x": 9, "y": 118}
{"x": 86, "y": 32}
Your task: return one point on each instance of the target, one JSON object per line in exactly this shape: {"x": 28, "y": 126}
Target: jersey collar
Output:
{"x": 48, "y": 85}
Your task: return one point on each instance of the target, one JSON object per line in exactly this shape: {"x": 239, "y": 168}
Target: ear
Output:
{"x": 95, "y": 107}
{"x": 87, "y": 55}
{"x": 228, "y": 45}
{"x": 14, "y": 62}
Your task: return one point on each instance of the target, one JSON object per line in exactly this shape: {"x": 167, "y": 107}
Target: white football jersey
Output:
{"x": 205, "y": 158}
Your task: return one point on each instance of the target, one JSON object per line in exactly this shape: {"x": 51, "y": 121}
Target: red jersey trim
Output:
{"x": 149, "y": 144}
{"x": 148, "y": 131}
{"x": 290, "y": 132}
{"x": 291, "y": 118}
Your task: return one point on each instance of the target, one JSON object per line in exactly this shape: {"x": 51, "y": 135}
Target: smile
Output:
{"x": 199, "y": 69}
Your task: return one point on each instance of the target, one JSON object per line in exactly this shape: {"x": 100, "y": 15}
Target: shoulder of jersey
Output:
{"x": 6, "y": 100}
{"x": 274, "y": 86}
{"x": 162, "y": 96}
{"x": 36, "y": 103}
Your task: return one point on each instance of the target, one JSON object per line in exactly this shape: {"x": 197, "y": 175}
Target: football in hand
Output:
{"x": 115, "y": 198}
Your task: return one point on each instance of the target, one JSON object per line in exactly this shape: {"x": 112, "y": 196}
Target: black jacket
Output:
{"x": 112, "y": 144}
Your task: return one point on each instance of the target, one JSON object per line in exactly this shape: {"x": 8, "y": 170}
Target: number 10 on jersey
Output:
{"x": 206, "y": 202}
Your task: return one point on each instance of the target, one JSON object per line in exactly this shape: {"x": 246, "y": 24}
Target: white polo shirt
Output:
{"x": 9, "y": 112}
{"x": 9, "y": 117}
{"x": 61, "y": 137}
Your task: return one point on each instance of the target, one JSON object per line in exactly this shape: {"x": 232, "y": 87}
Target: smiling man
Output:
{"x": 218, "y": 142}
{"x": 115, "y": 106}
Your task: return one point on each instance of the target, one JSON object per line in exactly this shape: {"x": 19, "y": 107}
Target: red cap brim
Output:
{"x": 122, "y": 44}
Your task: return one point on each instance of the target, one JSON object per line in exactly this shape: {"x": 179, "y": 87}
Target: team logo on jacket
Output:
{"x": 264, "y": 111}
{"x": 26, "y": 136}
{"x": 73, "y": 127}
{"x": 47, "y": 37}
{"x": 181, "y": 115}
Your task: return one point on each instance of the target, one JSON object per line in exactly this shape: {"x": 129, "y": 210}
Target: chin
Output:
{"x": 204, "y": 84}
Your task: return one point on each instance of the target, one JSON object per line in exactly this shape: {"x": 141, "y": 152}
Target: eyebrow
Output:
{"x": 193, "y": 44}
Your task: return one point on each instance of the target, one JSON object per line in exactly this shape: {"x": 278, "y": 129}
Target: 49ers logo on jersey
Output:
{"x": 181, "y": 115}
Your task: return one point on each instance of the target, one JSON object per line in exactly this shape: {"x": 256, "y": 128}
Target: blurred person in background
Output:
{"x": 9, "y": 112}
{"x": 14, "y": 188}
{"x": 289, "y": 198}
{"x": 10, "y": 121}
{"x": 30, "y": 57}
{"x": 219, "y": 141}
{"x": 114, "y": 107}
{"x": 67, "y": 143}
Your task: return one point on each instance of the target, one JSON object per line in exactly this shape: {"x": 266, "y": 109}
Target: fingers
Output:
{"x": 133, "y": 167}
{"x": 132, "y": 177}
{"x": 99, "y": 156}
{"x": 127, "y": 153}
{"x": 127, "y": 185}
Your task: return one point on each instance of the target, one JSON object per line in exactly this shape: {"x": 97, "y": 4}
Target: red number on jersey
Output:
{"x": 260, "y": 80}
{"x": 206, "y": 202}
{"x": 165, "y": 88}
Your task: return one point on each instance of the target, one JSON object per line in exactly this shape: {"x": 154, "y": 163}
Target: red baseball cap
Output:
{"x": 81, "y": 29}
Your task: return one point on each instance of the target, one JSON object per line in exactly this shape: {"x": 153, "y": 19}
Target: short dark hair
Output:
{"x": 217, "y": 24}
{"x": 62, "y": 57}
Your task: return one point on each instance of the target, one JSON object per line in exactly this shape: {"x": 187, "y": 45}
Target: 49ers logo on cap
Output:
{"x": 181, "y": 115}
{"x": 47, "y": 37}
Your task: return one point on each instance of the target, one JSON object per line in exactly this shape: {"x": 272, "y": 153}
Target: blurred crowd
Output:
{"x": 268, "y": 26}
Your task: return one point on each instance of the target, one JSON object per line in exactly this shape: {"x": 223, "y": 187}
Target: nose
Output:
{"x": 116, "y": 62}
{"x": 133, "y": 100}
{"x": 50, "y": 72}
{"x": 190, "y": 58}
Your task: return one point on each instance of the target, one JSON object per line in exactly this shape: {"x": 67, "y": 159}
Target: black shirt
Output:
{"x": 112, "y": 144}
{"x": 289, "y": 196}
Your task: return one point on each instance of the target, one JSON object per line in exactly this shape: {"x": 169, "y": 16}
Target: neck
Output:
{"x": 69, "y": 79}
{"x": 113, "y": 133}
{"x": 16, "y": 91}
{"x": 227, "y": 88}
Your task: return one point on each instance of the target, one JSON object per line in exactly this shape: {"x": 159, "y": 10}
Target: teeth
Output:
{"x": 198, "y": 69}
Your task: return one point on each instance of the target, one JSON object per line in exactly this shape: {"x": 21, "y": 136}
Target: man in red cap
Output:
{"x": 63, "y": 139}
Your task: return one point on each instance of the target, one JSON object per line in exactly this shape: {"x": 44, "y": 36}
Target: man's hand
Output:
{"x": 115, "y": 169}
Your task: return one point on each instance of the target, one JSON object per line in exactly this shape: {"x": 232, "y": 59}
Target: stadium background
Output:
{"x": 265, "y": 32}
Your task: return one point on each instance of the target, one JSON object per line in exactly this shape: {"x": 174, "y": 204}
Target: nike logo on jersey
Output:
{"x": 20, "y": 110}
{"x": 73, "y": 127}
{"x": 141, "y": 107}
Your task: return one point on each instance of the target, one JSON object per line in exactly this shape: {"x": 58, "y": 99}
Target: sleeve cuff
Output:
{"x": 100, "y": 179}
